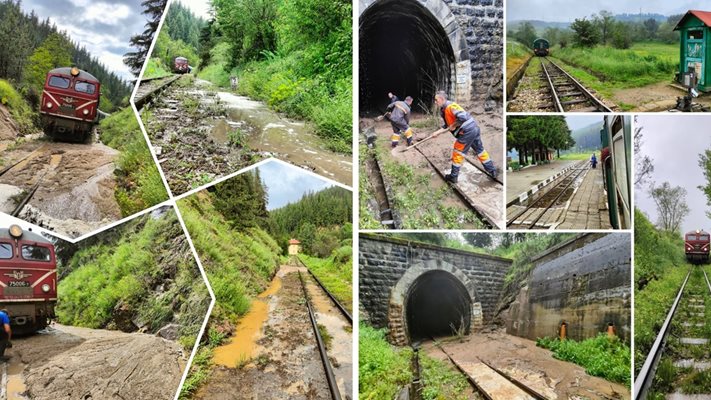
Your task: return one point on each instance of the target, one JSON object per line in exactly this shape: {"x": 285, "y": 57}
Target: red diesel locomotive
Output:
{"x": 70, "y": 104}
{"x": 181, "y": 66}
{"x": 28, "y": 279}
{"x": 696, "y": 246}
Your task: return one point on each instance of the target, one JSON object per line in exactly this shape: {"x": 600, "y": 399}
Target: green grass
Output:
{"x": 20, "y": 111}
{"x": 516, "y": 55}
{"x": 577, "y": 156}
{"x": 642, "y": 64}
{"x": 139, "y": 185}
{"x": 603, "y": 356}
{"x": 155, "y": 69}
{"x": 125, "y": 271}
{"x": 335, "y": 272}
{"x": 384, "y": 370}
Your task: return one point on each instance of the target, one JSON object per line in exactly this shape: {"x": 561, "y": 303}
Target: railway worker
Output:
{"x": 5, "y": 333}
{"x": 467, "y": 134}
{"x": 398, "y": 113}
{"x": 392, "y": 97}
{"x": 593, "y": 161}
{"x": 233, "y": 82}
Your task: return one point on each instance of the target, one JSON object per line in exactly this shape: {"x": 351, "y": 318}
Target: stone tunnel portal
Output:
{"x": 437, "y": 305}
{"x": 404, "y": 49}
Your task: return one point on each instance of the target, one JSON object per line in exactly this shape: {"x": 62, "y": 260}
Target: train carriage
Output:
{"x": 541, "y": 47}
{"x": 696, "y": 246}
{"x": 70, "y": 104}
{"x": 28, "y": 279}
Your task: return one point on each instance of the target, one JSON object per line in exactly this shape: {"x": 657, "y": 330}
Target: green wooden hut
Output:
{"x": 695, "y": 46}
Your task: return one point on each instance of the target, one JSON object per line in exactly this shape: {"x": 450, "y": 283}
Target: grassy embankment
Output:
{"x": 384, "y": 369}
{"x": 20, "y": 111}
{"x": 156, "y": 69}
{"x": 139, "y": 184}
{"x": 606, "y": 69}
{"x": 660, "y": 268}
{"x": 420, "y": 205}
{"x": 276, "y": 81}
{"x": 335, "y": 272}
{"x": 118, "y": 279}
{"x": 516, "y": 55}
{"x": 239, "y": 265}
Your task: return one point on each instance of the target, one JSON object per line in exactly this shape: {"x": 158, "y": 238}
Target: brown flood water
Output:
{"x": 15, "y": 384}
{"x": 243, "y": 344}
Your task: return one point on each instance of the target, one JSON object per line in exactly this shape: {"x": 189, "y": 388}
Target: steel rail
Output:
{"x": 13, "y": 165}
{"x": 517, "y": 383}
{"x": 646, "y": 374}
{"x": 462, "y": 196}
{"x": 139, "y": 102}
{"x": 330, "y": 376}
{"x": 335, "y": 301}
{"x": 572, "y": 171}
{"x": 594, "y": 101}
{"x": 554, "y": 93}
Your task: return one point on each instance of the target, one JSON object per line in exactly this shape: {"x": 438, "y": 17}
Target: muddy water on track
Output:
{"x": 289, "y": 140}
{"x": 243, "y": 344}
{"x": 340, "y": 350}
{"x": 15, "y": 384}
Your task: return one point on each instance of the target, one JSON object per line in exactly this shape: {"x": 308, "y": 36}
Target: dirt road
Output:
{"x": 283, "y": 361}
{"x": 76, "y": 187}
{"x": 66, "y": 362}
{"x": 201, "y": 133}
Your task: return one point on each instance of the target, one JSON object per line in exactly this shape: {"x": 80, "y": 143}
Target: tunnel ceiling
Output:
{"x": 436, "y": 301}
{"x": 405, "y": 50}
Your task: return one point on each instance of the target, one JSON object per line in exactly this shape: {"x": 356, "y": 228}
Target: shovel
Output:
{"x": 432, "y": 136}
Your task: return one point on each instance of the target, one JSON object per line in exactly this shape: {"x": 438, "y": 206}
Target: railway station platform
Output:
{"x": 521, "y": 181}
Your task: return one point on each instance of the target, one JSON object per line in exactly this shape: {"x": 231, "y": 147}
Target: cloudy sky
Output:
{"x": 564, "y": 11}
{"x": 674, "y": 144}
{"x": 200, "y": 8}
{"x": 287, "y": 184}
{"x": 581, "y": 121}
{"x": 104, "y": 27}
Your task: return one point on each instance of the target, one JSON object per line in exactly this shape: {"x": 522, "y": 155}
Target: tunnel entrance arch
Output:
{"x": 410, "y": 47}
{"x": 429, "y": 297}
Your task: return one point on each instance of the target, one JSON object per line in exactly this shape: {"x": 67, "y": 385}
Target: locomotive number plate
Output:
{"x": 18, "y": 284}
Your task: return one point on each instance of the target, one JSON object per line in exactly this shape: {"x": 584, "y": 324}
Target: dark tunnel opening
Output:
{"x": 404, "y": 50}
{"x": 437, "y": 305}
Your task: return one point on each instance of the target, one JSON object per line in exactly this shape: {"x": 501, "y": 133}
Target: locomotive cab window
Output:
{"x": 5, "y": 250}
{"x": 59, "y": 82}
{"x": 35, "y": 253}
{"x": 690, "y": 237}
{"x": 703, "y": 237}
{"x": 85, "y": 87}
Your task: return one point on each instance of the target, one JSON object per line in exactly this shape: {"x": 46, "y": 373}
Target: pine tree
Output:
{"x": 134, "y": 60}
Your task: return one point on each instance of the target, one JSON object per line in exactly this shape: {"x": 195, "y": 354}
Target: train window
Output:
{"x": 704, "y": 237}
{"x": 5, "y": 250}
{"x": 59, "y": 82}
{"x": 35, "y": 253}
{"x": 691, "y": 237}
{"x": 85, "y": 87}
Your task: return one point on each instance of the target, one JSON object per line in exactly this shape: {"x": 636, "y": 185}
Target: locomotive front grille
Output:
{"x": 66, "y": 109}
{"x": 17, "y": 291}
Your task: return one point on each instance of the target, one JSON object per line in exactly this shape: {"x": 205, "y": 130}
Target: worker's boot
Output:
{"x": 491, "y": 169}
{"x": 453, "y": 175}
{"x": 409, "y": 141}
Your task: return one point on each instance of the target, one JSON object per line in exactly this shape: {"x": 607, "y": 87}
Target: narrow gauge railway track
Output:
{"x": 464, "y": 197}
{"x": 566, "y": 93}
{"x": 645, "y": 378}
{"x": 149, "y": 89}
{"x": 328, "y": 369}
{"x": 54, "y": 162}
{"x": 335, "y": 301}
{"x": 526, "y": 392}
{"x": 388, "y": 216}
{"x": 547, "y": 200}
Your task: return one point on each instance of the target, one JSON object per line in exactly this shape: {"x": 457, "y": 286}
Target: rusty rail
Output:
{"x": 140, "y": 102}
{"x": 335, "y": 301}
{"x": 594, "y": 101}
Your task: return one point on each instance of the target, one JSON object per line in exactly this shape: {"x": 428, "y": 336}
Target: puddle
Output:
{"x": 15, "y": 384}
{"x": 339, "y": 329}
{"x": 243, "y": 345}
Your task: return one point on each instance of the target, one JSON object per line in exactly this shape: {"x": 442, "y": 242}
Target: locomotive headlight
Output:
{"x": 15, "y": 231}
{"x": 49, "y": 104}
{"x": 45, "y": 288}
{"x": 86, "y": 111}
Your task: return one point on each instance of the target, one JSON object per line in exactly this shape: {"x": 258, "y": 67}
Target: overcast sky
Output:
{"x": 200, "y": 8}
{"x": 581, "y": 121}
{"x": 567, "y": 11}
{"x": 287, "y": 184}
{"x": 674, "y": 143}
{"x": 104, "y": 27}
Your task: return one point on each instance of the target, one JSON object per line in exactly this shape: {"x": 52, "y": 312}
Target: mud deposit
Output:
{"x": 421, "y": 197}
{"x": 76, "y": 190}
{"x": 286, "y": 363}
{"x": 66, "y": 362}
{"x": 533, "y": 366}
{"x": 200, "y": 134}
